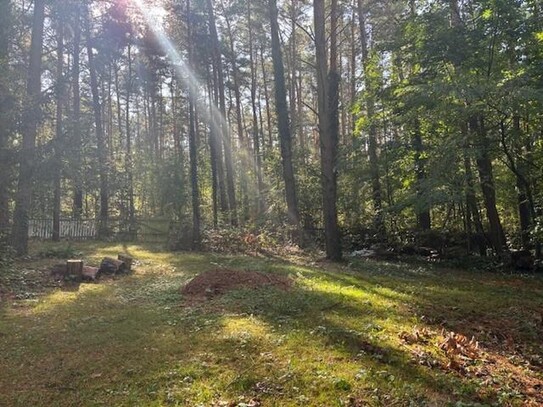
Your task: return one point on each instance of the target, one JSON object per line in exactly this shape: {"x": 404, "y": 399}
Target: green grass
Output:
{"x": 334, "y": 339}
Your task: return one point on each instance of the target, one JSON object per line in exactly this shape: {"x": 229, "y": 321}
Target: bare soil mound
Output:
{"x": 221, "y": 281}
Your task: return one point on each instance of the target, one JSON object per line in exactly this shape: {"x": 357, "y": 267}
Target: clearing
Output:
{"x": 267, "y": 332}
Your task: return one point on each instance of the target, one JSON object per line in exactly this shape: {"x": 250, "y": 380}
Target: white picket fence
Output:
{"x": 146, "y": 230}
{"x": 76, "y": 229}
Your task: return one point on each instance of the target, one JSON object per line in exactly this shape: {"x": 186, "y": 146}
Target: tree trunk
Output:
{"x": 193, "y": 151}
{"x": 526, "y": 206}
{"x": 217, "y": 171}
{"x": 78, "y": 182}
{"x": 372, "y": 133}
{"x": 118, "y": 106}
{"x": 59, "y": 130}
{"x": 5, "y": 115}
{"x": 293, "y": 65}
{"x": 100, "y": 136}
{"x": 196, "y": 239}
{"x": 128, "y": 158}
{"x": 472, "y": 211}
{"x": 29, "y": 130}
{"x": 239, "y": 124}
{"x": 421, "y": 206}
{"x": 327, "y": 90}
{"x": 223, "y": 129}
{"x": 281, "y": 109}
{"x": 261, "y": 203}
{"x": 266, "y": 99}
{"x": 486, "y": 177}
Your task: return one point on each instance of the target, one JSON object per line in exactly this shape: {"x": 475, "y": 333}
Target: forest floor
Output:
{"x": 291, "y": 331}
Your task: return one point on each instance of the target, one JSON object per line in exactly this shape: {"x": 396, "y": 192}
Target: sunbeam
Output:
{"x": 153, "y": 19}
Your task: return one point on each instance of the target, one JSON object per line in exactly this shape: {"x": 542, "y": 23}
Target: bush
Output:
{"x": 249, "y": 240}
{"x": 65, "y": 252}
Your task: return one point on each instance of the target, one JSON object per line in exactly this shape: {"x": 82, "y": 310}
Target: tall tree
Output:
{"x": 193, "y": 148}
{"x": 29, "y": 130}
{"x": 223, "y": 129}
{"x": 422, "y": 207}
{"x": 256, "y": 129}
{"x": 5, "y": 102}
{"x": 327, "y": 90}
{"x": 99, "y": 132}
{"x": 58, "y": 143}
{"x": 478, "y": 133}
{"x": 239, "y": 119}
{"x": 129, "y": 167}
{"x": 283, "y": 119}
{"x": 76, "y": 114}
{"x": 486, "y": 177}
{"x": 369, "y": 85}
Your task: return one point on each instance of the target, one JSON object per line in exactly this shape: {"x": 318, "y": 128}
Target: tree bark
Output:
{"x": 266, "y": 99}
{"x": 526, "y": 206}
{"x": 128, "y": 158}
{"x": 256, "y": 129}
{"x": 223, "y": 129}
{"x": 215, "y": 152}
{"x": 193, "y": 150}
{"x": 327, "y": 90}
{"x": 29, "y": 130}
{"x": 100, "y": 136}
{"x": 78, "y": 182}
{"x": 281, "y": 109}
{"x": 60, "y": 86}
{"x": 472, "y": 211}
{"x": 486, "y": 177}
{"x": 372, "y": 133}
{"x": 74, "y": 269}
{"x": 293, "y": 69}
{"x": 5, "y": 119}
{"x": 239, "y": 124}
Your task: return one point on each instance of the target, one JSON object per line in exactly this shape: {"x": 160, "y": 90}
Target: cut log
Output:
{"x": 112, "y": 266}
{"x": 91, "y": 273}
{"x": 127, "y": 260}
{"x": 74, "y": 269}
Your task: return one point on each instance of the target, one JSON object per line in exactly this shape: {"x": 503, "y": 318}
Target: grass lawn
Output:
{"x": 355, "y": 334}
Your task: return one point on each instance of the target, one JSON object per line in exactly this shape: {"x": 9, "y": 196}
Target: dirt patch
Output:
{"x": 220, "y": 281}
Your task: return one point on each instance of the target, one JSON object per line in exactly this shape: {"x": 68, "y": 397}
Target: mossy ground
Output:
{"x": 339, "y": 337}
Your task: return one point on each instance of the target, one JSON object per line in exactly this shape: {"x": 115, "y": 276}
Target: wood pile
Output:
{"x": 75, "y": 270}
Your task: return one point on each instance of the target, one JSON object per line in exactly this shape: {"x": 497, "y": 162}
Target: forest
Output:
{"x": 345, "y": 123}
{"x": 272, "y": 202}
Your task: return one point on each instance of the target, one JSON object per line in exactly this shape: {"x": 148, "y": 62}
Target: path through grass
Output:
{"x": 362, "y": 333}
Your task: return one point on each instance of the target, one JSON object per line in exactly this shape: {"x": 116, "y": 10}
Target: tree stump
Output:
{"x": 74, "y": 269}
{"x": 127, "y": 260}
{"x": 90, "y": 273}
{"x": 112, "y": 266}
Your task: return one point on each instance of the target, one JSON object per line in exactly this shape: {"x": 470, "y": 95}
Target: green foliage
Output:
{"x": 64, "y": 251}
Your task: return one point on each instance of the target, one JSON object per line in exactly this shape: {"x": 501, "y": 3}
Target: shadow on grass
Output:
{"x": 133, "y": 342}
